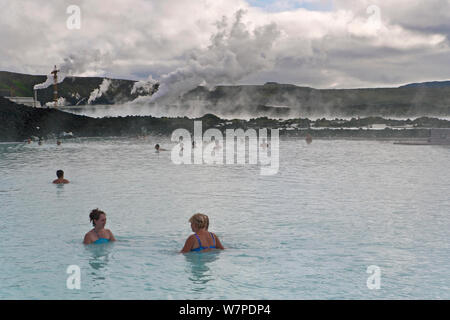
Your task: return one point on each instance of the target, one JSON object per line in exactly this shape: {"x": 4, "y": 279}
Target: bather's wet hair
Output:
{"x": 60, "y": 174}
{"x": 200, "y": 220}
{"x": 95, "y": 215}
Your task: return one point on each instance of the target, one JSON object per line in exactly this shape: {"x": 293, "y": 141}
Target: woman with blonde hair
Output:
{"x": 202, "y": 240}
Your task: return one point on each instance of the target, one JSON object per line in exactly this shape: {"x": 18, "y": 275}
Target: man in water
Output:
{"x": 60, "y": 180}
{"x": 158, "y": 149}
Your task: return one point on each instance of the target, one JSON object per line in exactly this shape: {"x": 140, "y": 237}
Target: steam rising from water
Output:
{"x": 234, "y": 53}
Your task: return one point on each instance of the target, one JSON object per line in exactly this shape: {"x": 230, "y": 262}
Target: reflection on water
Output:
{"x": 200, "y": 269}
{"x": 99, "y": 255}
{"x": 59, "y": 190}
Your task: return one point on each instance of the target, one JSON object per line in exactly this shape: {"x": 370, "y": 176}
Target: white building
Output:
{"x": 28, "y": 101}
{"x": 377, "y": 126}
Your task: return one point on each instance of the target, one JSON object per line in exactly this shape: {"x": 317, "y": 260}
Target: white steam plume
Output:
{"x": 145, "y": 87}
{"x": 97, "y": 93}
{"x": 61, "y": 102}
{"x": 88, "y": 63}
{"x": 234, "y": 53}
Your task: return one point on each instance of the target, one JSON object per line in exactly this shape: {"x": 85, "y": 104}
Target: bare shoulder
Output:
{"x": 191, "y": 238}
{"x": 188, "y": 244}
{"x": 88, "y": 237}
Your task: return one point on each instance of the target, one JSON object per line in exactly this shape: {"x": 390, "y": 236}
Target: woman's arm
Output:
{"x": 188, "y": 245}
{"x": 87, "y": 239}
{"x": 111, "y": 236}
{"x": 218, "y": 244}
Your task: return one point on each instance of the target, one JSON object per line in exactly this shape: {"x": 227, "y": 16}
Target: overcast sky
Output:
{"x": 316, "y": 43}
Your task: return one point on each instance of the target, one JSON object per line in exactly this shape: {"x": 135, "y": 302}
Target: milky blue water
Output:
{"x": 309, "y": 232}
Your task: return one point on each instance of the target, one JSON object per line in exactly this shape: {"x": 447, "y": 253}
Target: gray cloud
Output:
{"x": 185, "y": 43}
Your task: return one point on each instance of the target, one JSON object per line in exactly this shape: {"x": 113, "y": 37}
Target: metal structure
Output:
{"x": 55, "y": 86}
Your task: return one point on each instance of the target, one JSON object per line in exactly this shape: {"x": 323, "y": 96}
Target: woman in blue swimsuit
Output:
{"x": 99, "y": 234}
{"x": 202, "y": 240}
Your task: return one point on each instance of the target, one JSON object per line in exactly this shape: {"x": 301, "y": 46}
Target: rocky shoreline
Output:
{"x": 18, "y": 123}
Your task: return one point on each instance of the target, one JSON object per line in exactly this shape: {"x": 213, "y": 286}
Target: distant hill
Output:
{"x": 271, "y": 99}
{"x": 432, "y": 84}
{"x": 294, "y": 101}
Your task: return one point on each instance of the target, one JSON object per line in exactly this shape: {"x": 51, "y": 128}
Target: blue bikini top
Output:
{"x": 100, "y": 240}
{"x": 200, "y": 248}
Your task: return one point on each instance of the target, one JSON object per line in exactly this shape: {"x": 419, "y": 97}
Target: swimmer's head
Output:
{"x": 157, "y": 146}
{"x": 97, "y": 217}
{"x": 199, "y": 221}
{"x": 60, "y": 174}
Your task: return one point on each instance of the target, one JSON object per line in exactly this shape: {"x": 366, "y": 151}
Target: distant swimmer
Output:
{"x": 216, "y": 147}
{"x": 202, "y": 240}
{"x": 181, "y": 145}
{"x": 99, "y": 234}
{"x": 60, "y": 180}
{"x": 28, "y": 140}
{"x": 58, "y": 143}
{"x": 158, "y": 148}
{"x": 308, "y": 138}
{"x": 264, "y": 144}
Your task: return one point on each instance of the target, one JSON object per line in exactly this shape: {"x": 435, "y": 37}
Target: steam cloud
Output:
{"x": 145, "y": 87}
{"x": 83, "y": 64}
{"x": 97, "y": 93}
{"x": 234, "y": 53}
